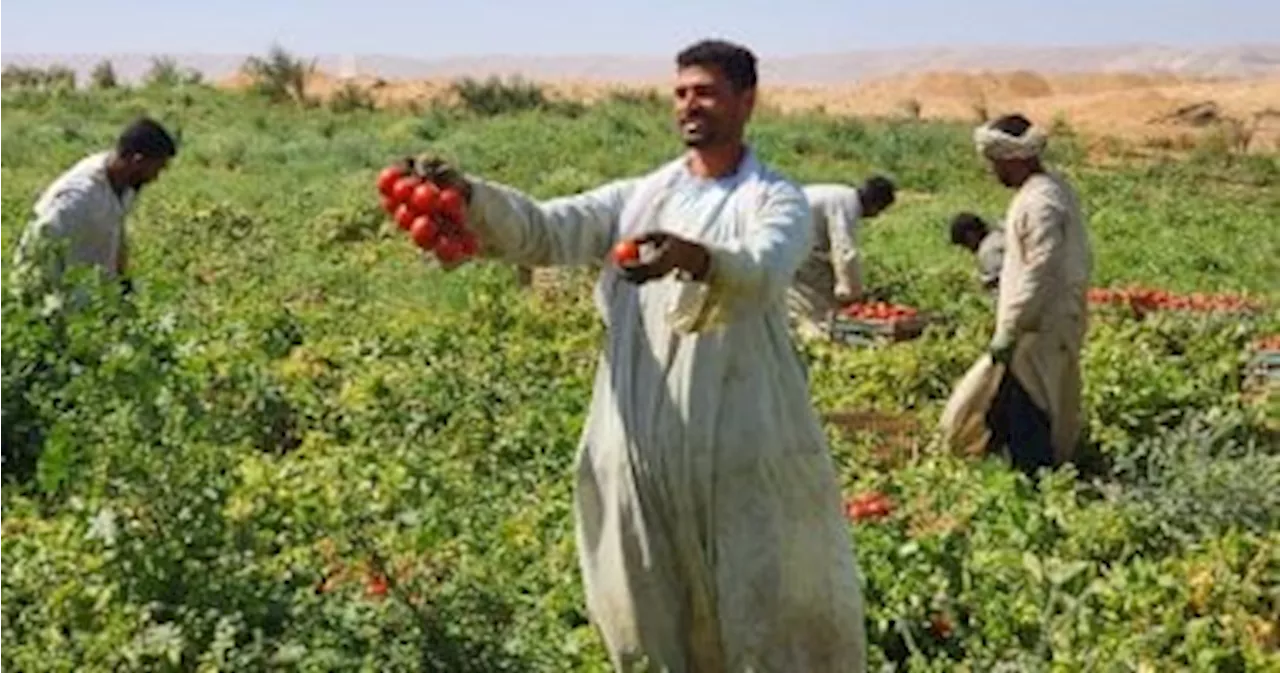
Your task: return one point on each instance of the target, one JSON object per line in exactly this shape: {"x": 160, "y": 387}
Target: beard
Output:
{"x": 697, "y": 131}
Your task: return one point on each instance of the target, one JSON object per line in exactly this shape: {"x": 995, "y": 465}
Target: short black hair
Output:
{"x": 879, "y": 189}
{"x": 1013, "y": 124}
{"x": 736, "y": 62}
{"x": 147, "y": 137}
{"x": 965, "y": 223}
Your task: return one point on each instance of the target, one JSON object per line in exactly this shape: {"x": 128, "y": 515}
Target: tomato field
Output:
{"x": 301, "y": 444}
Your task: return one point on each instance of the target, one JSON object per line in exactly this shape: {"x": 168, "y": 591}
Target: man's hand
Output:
{"x": 670, "y": 253}
{"x": 442, "y": 173}
{"x": 1001, "y": 348}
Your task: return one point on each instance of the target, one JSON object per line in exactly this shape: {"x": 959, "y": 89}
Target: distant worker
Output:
{"x": 1026, "y": 395}
{"x": 831, "y": 276}
{"x": 971, "y": 232}
{"x": 86, "y": 206}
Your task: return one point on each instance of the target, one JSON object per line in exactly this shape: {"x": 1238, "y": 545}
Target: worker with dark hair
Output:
{"x": 85, "y": 207}
{"x": 987, "y": 244}
{"x": 831, "y": 276}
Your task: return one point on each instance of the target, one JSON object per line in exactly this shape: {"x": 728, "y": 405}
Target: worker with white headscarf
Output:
{"x": 1024, "y": 394}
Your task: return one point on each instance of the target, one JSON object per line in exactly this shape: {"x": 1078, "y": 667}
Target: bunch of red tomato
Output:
{"x": 868, "y": 506}
{"x": 878, "y": 310}
{"x": 1151, "y": 299}
{"x": 435, "y": 218}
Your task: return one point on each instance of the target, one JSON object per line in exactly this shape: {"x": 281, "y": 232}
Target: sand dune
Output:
{"x": 1132, "y": 106}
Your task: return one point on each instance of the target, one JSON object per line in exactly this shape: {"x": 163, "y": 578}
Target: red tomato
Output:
{"x": 451, "y": 205}
{"x": 389, "y": 204}
{"x": 423, "y": 199}
{"x": 404, "y": 216}
{"x": 377, "y": 586}
{"x": 387, "y": 179}
{"x": 469, "y": 244}
{"x": 449, "y": 250}
{"x": 626, "y": 253}
{"x": 403, "y": 188}
{"x": 423, "y": 231}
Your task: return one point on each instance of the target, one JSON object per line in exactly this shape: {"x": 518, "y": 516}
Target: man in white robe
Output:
{"x": 986, "y": 243}
{"x": 831, "y": 277}
{"x": 1027, "y": 390}
{"x": 80, "y": 217}
{"x": 708, "y": 516}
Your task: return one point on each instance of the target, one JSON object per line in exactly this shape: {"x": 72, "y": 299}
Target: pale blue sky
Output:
{"x": 469, "y": 27}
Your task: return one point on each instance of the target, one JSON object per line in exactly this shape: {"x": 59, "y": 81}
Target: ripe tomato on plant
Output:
{"x": 869, "y": 506}
{"x": 377, "y": 585}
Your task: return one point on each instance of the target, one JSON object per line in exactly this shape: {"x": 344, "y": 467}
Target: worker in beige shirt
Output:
{"x": 80, "y": 218}
{"x": 831, "y": 277}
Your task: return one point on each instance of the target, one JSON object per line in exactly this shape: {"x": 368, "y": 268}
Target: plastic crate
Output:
{"x": 865, "y": 332}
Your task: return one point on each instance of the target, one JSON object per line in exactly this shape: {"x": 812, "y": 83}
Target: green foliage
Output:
{"x": 292, "y": 411}
{"x": 165, "y": 73}
{"x": 103, "y": 76}
{"x": 279, "y": 76}
{"x": 495, "y": 96}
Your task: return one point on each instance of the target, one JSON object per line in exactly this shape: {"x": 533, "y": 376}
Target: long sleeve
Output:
{"x": 754, "y": 270}
{"x": 565, "y": 231}
{"x": 1041, "y": 233}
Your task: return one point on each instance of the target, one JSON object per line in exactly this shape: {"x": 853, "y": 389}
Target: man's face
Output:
{"x": 872, "y": 208}
{"x": 144, "y": 170}
{"x": 708, "y": 109}
{"x": 1007, "y": 172}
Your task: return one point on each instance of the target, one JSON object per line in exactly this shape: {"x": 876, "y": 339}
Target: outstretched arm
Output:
{"x": 571, "y": 230}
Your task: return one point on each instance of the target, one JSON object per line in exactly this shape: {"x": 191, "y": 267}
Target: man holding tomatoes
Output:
{"x": 708, "y": 511}
{"x": 1028, "y": 390}
{"x": 831, "y": 278}
{"x": 83, "y": 212}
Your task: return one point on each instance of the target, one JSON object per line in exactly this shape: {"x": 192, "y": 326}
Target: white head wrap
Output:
{"x": 995, "y": 144}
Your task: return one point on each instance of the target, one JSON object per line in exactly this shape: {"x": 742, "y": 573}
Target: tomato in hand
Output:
{"x": 387, "y": 179}
{"x": 451, "y": 206}
{"x": 449, "y": 250}
{"x": 404, "y": 217}
{"x": 423, "y": 231}
{"x": 626, "y": 253}
{"x": 403, "y": 188}
{"x": 423, "y": 199}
